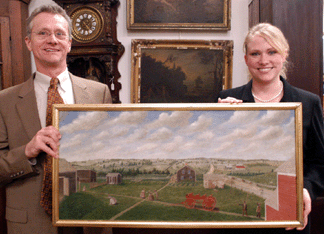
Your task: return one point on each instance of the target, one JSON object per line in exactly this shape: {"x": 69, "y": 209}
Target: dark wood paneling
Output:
{"x": 254, "y": 13}
{"x": 301, "y": 22}
{"x": 6, "y": 69}
{"x": 4, "y": 8}
{"x": 266, "y": 8}
{"x": 21, "y": 62}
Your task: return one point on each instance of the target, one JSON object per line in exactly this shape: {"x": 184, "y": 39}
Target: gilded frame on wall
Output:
{"x": 179, "y": 165}
{"x": 180, "y": 71}
{"x": 179, "y": 15}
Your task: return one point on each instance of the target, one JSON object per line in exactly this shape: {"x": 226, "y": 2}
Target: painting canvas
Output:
{"x": 179, "y": 165}
{"x": 179, "y": 14}
{"x": 180, "y": 71}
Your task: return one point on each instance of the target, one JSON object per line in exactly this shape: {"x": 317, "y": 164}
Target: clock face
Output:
{"x": 87, "y": 24}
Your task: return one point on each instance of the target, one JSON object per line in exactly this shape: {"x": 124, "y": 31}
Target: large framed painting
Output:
{"x": 180, "y": 71}
{"x": 179, "y": 14}
{"x": 179, "y": 165}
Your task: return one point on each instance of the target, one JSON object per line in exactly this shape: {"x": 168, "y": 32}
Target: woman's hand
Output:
{"x": 307, "y": 209}
{"x": 229, "y": 100}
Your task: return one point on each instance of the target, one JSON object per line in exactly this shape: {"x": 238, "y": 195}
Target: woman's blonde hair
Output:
{"x": 274, "y": 37}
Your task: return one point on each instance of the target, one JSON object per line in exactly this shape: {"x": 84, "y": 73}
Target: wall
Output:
{"x": 239, "y": 27}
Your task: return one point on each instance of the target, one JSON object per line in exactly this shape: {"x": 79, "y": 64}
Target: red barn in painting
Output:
{"x": 239, "y": 167}
{"x": 282, "y": 205}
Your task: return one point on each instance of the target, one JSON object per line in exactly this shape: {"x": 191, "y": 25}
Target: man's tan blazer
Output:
{"x": 19, "y": 122}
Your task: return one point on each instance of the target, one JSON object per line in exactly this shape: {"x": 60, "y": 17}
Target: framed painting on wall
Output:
{"x": 179, "y": 165}
{"x": 179, "y": 14}
{"x": 180, "y": 71}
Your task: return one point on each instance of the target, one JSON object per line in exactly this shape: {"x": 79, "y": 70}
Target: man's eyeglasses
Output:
{"x": 45, "y": 34}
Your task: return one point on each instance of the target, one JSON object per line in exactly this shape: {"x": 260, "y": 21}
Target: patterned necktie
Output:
{"x": 53, "y": 97}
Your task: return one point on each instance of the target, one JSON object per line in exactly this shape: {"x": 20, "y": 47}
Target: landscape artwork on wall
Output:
{"x": 179, "y": 14}
{"x": 180, "y": 71}
{"x": 178, "y": 165}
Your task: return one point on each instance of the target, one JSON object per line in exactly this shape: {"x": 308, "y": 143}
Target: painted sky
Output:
{"x": 177, "y": 135}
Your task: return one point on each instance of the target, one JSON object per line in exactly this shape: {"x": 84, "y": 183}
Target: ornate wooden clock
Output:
{"x": 95, "y": 49}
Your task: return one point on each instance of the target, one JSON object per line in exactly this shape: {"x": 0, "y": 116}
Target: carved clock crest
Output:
{"x": 95, "y": 49}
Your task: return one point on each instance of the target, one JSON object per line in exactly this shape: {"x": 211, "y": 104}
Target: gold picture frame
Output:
{"x": 179, "y": 15}
{"x": 180, "y": 71}
{"x": 179, "y": 165}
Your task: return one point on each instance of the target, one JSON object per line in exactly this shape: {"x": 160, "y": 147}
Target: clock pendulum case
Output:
{"x": 95, "y": 49}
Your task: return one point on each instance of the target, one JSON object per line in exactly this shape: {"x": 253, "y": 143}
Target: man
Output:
{"x": 244, "y": 208}
{"x": 24, "y": 137}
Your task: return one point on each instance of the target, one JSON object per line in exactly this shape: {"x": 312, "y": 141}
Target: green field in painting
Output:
{"x": 93, "y": 204}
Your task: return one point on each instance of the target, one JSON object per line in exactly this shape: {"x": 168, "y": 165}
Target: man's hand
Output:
{"x": 307, "y": 209}
{"x": 46, "y": 140}
{"x": 229, "y": 100}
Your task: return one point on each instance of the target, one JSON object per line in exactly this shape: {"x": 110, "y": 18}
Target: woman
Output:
{"x": 266, "y": 52}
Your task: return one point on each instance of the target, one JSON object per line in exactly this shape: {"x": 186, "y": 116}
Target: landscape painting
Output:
{"x": 178, "y": 165}
{"x": 180, "y": 71}
{"x": 179, "y": 14}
